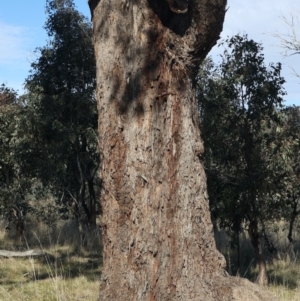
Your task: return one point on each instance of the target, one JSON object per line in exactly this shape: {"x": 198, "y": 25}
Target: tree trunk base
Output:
{"x": 218, "y": 288}
{"x": 240, "y": 289}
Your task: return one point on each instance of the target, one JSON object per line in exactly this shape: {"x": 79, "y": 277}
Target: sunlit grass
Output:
{"x": 74, "y": 278}
{"x": 68, "y": 272}
{"x": 51, "y": 289}
{"x": 284, "y": 275}
{"x": 72, "y": 272}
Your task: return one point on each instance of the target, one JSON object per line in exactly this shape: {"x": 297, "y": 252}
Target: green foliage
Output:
{"x": 8, "y": 124}
{"x": 285, "y": 165}
{"x": 61, "y": 111}
{"x": 239, "y": 104}
{"x": 12, "y": 185}
{"x": 49, "y": 135}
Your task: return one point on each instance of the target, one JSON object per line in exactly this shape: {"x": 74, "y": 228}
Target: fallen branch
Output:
{"x": 27, "y": 253}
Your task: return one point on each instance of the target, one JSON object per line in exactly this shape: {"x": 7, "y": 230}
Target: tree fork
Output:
{"x": 157, "y": 232}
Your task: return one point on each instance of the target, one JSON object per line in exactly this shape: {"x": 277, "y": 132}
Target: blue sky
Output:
{"x": 21, "y": 31}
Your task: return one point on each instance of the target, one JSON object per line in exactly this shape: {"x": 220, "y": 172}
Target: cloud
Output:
{"x": 15, "y": 42}
{"x": 257, "y": 18}
{"x": 16, "y": 53}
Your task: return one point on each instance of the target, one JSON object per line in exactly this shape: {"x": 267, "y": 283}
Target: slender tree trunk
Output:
{"x": 262, "y": 278}
{"x": 92, "y": 202}
{"x": 157, "y": 232}
{"x": 293, "y": 217}
{"x": 238, "y": 253}
{"x": 291, "y": 227}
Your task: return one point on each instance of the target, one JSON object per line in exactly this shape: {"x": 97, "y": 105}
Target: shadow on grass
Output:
{"x": 70, "y": 266}
{"x": 65, "y": 257}
{"x": 284, "y": 281}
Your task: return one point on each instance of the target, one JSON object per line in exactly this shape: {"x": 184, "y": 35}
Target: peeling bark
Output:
{"x": 157, "y": 232}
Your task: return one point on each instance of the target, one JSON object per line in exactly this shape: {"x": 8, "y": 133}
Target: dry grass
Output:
{"x": 283, "y": 268}
{"x": 71, "y": 273}
{"x": 284, "y": 275}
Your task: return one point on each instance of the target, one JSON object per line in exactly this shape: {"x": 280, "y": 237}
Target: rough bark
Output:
{"x": 157, "y": 232}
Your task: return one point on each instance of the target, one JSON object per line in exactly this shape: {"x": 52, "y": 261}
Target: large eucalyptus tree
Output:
{"x": 157, "y": 231}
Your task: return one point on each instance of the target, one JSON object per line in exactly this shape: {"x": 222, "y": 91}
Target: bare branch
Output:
{"x": 290, "y": 41}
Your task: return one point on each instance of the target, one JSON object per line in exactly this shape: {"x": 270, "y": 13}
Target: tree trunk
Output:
{"x": 92, "y": 202}
{"x": 238, "y": 253}
{"x": 291, "y": 227}
{"x": 262, "y": 278}
{"x": 293, "y": 217}
{"x": 157, "y": 232}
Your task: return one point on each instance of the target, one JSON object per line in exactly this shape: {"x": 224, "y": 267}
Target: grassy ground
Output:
{"x": 283, "y": 268}
{"x": 73, "y": 271}
{"x": 284, "y": 277}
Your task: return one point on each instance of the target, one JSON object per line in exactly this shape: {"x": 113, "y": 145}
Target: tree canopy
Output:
{"x": 239, "y": 104}
{"x": 56, "y": 130}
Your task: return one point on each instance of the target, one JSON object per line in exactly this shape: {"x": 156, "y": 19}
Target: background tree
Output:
{"x": 238, "y": 106}
{"x": 61, "y": 113}
{"x": 9, "y": 110}
{"x": 157, "y": 233}
{"x": 286, "y": 167}
{"x": 13, "y": 186}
